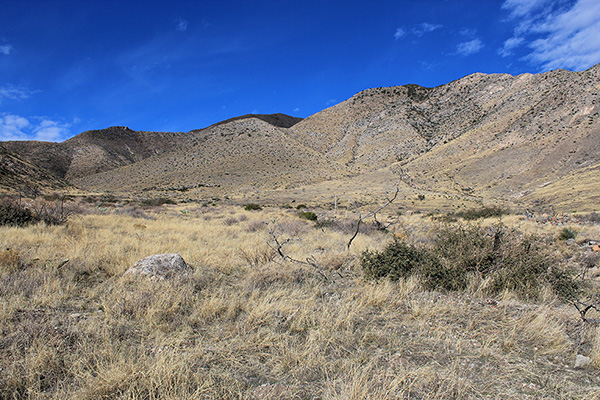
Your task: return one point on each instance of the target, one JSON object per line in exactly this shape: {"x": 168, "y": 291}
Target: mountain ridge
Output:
{"x": 496, "y": 135}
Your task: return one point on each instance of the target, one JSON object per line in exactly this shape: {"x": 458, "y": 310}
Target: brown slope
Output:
{"x": 534, "y": 129}
{"x": 497, "y": 134}
{"x": 96, "y": 151}
{"x": 19, "y": 176}
{"x": 238, "y": 156}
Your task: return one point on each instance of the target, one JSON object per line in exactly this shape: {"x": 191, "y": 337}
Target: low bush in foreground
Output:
{"x": 500, "y": 259}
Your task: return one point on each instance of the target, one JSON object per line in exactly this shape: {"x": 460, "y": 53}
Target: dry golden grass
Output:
{"x": 247, "y": 325}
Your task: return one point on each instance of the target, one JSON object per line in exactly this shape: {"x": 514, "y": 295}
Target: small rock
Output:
{"x": 582, "y": 361}
{"x": 75, "y": 315}
{"x": 269, "y": 392}
{"x": 570, "y": 241}
{"x": 159, "y": 267}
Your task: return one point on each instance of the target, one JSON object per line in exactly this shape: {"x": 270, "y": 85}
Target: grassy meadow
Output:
{"x": 249, "y": 324}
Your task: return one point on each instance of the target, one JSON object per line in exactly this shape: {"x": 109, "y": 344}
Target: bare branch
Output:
{"x": 373, "y": 214}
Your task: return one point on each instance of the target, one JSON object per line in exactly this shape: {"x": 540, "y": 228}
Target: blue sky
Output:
{"x": 71, "y": 66}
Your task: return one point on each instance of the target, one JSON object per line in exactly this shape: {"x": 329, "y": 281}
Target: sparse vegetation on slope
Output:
{"x": 245, "y": 322}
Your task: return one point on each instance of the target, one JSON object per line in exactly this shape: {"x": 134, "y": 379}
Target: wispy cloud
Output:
{"x": 509, "y": 45}
{"x": 558, "y": 34}
{"x": 11, "y": 92}
{"x": 469, "y": 47}
{"x": 520, "y": 8}
{"x": 416, "y": 30}
{"x": 182, "y": 25}
{"x": 399, "y": 33}
{"x": 15, "y": 127}
{"x": 6, "y": 49}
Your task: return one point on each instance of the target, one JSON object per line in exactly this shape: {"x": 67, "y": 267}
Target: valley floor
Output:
{"x": 247, "y": 324}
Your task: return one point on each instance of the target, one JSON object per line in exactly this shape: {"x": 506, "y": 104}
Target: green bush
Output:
{"x": 300, "y": 206}
{"x": 309, "y": 215}
{"x": 476, "y": 213}
{"x": 15, "y": 214}
{"x": 397, "y": 260}
{"x": 504, "y": 259}
{"x": 567, "y": 233}
{"x": 252, "y": 207}
{"x": 159, "y": 201}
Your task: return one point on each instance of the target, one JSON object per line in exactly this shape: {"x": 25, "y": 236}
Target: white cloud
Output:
{"x": 520, "y": 8}
{"x": 469, "y": 47}
{"x": 6, "y": 49}
{"x": 182, "y": 25}
{"x": 15, "y": 127}
{"x": 417, "y": 30}
{"x": 425, "y": 27}
{"x": 399, "y": 33}
{"x": 509, "y": 45}
{"x": 558, "y": 34}
{"x": 14, "y": 93}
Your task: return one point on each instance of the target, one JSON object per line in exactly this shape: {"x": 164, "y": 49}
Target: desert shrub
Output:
{"x": 252, "y": 207}
{"x": 309, "y": 215}
{"x": 510, "y": 260}
{"x": 503, "y": 259}
{"x": 397, "y": 260}
{"x": 300, "y": 206}
{"x": 15, "y": 214}
{"x": 477, "y": 213}
{"x": 159, "y": 201}
{"x": 567, "y": 233}
{"x": 55, "y": 213}
{"x": 421, "y": 197}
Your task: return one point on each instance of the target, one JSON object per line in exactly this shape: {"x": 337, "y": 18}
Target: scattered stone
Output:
{"x": 269, "y": 391}
{"x": 570, "y": 242}
{"x": 75, "y": 315}
{"x": 159, "y": 267}
{"x": 582, "y": 361}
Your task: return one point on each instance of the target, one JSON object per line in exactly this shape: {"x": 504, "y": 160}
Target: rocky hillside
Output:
{"x": 95, "y": 151}
{"x": 516, "y": 138}
{"x": 493, "y": 135}
{"x": 18, "y": 175}
{"x": 241, "y": 155}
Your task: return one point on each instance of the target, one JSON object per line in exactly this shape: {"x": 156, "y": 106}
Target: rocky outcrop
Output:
{"x": 159, "y": 267}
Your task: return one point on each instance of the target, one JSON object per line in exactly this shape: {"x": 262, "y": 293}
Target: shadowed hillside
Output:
{"x": 18, "y": 175}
